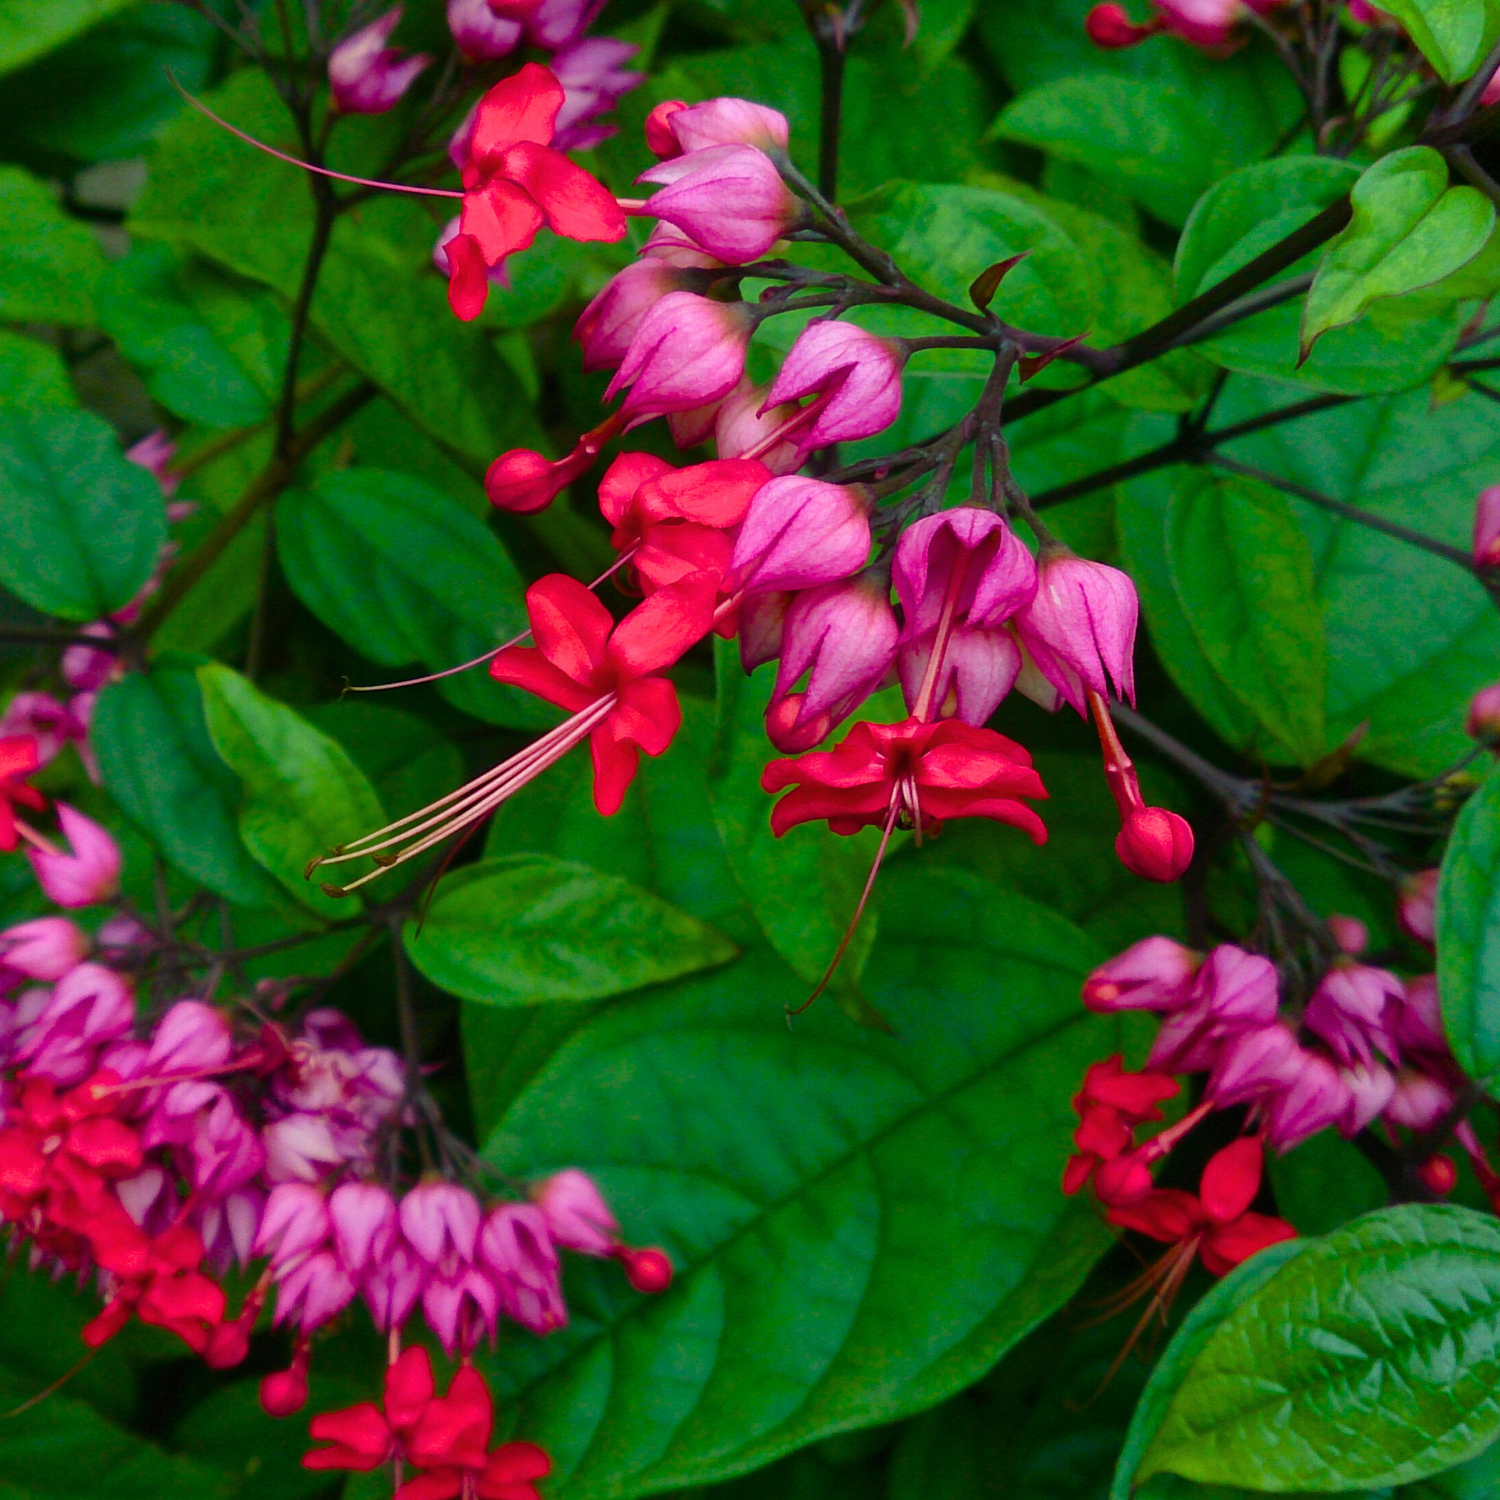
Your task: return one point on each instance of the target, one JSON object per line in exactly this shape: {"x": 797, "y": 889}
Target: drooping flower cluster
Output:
{"x": 151, "y": 1154}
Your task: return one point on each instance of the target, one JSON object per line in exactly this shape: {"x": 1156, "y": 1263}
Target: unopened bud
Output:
{"x": 284, "y": 1392}
{"x": 1109, "y": 25}
{"x": 1483, "y": 722}
{"x": 1438, "y": 1175}
{"x": 1352, "y": 936}
{"x": 1487, "y": 528}
{"x": 1155, "y": 844}
{"x": 660, "y": 139}
{"x": 1416, "y": 906}
{"x": 648, "y": 1270}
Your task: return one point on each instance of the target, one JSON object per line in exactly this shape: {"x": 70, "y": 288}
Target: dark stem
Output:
{"x": 326, "y": 211}
{"x": 831, "y": 108}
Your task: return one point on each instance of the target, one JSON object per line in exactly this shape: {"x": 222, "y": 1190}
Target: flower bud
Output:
{"x": 363, "y": 1218}
{"x": 191, "y": 1038}
{"x": 1352, "y": 1009}
{"x": 853, "y": 376}
{"x": 661, "y": 139}
{"x": 745, "y": 426}
{"x": 524, "y": 482}
{"x": 440, "y": 1221}
{"x": 45, "y": 948}
{"x": 789, "y": 731}
{"x": 1416, "y": 906}
{"x": 1351, "y": 935}
{"x": 730, "y": 199}
{"x": 1153, "y": 974}
{"x": 1155, "y": 844}
{"x": 283, "y": 1393}
{"x": 1487, "y": 528}
{"x": 799, "y": 533}
{"x": 844, "y": 635}
{"x": 607, "y": 325}
{"x": 688, "y": 351}
{"x": 366, "y": 76}
{"x": 1483, "y": 722}
{"x": 1253, "y": 1063}
{"x": 481, "y": 35}
{"x": 1420, "y": 1101}
{"x": 1438, "y": 1175}
{"x": 762, "y": 620}
{"x": 648, "y": 1270}
{"x": 970, "y": 554}
{"x": 577, "y": 1215}
{"x": 1079, "y": 627}
{"x": 86, "y": 876}
{"x": 727, "y": 122}
{"x": 1108, "y": 25}
{"x": 1319, "y": 1096}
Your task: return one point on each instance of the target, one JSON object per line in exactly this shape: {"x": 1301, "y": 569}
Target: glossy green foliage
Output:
{"x": 1296, "y": 1388}
{"x": 301, "y": 795}
{"x": 1454, "y": 35}
{"x": 81, "y": 529}
{"x": 835, "y": 1155}
{"x": 406, "y": 574}
{"x": 1468, "y": 936}
{"x": 49, "y": 264}
{"x": 525, "y": 929}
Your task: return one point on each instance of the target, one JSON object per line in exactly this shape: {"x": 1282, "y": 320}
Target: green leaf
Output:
{"x": 524, "y": 929}
{"x": 1401, "y": 460}
{"x": 1409, "y": 230}
{"x": 1243, "y": 574}
{"x": 405, "y": 573}
{"x": 105, "y": 95}
{"x": 1148, "y": 136}
{"x": 1372, "y": 1358}
{"x": 49, "y": 263}
{"x": 302, "y": 795}
{"x": 1453, "y": 35}
{"x": 378, "y": 305}
{"x": 158, "y": 762}
{"x": 81, "y": 529}
{"x": 30, "y": 28}
{"x": 210, "y": 347}
{"x": 32, "y": 374}
{"x": 1468, "y": 936}
{"x": 1242, "y": 1283}
{"x": 803, "y": 1182}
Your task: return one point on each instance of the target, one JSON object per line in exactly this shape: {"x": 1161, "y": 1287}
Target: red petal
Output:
{"x": 569, "y": 624}
{"x": 1231, "y": 1179}
{"x": 716, "y": 493}
{"x": 361, "y": 1438}
{"x": 409, "y": 1386}
{"x": 520, "y": 108}
{"x": 668, "y": 554}
{"x": 526, "y": 668}
{"x": 18, "y": 756}
{"x": 1167, "y": 1214}
{"x": 577, "y": 205}
{"x": 107, "y": 1145}
{"x": 1229, "y": 1244}
{"x": 647, "y": 714}
{"x": 854, "y": 808}
{"x": 513, "y": 1463}
{"x": 500, "y": 217}
{"x": 441, "y": 1484}
{"x": 623, "y": 478}
{"x": 468, "y": 278}
{"x": 940, "y": 806}
{"x": 614, "y": 769}
{"x": 655, "y": 633}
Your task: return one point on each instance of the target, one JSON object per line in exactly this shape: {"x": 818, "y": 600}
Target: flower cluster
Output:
{"x": 153, "y": 1153}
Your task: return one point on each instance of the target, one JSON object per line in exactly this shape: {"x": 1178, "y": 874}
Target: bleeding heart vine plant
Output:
{"x": 805, "y": 450}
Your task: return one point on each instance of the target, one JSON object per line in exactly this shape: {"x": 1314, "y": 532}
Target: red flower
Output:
{"x": 18, "y": 758}
{"x": 936, "y": 771}
{"x": 170, "y": 1293}
{"x": 514, "y": 182}
{"x": 1217, "y": 1221}
{"x": 674, "y": 522}
{"x": 1110, "y": 1105}
{"x": 585, "y": 663}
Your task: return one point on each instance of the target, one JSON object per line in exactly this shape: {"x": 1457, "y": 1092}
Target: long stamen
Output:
{"x": 859, "y": 911}
{"x": 32, "y": 837}
{"x": 307, "y": 166}
{"x": 801, "y": 418}
{"x": 922, "y": 709}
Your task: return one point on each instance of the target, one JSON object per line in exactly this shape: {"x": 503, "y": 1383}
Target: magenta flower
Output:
{"x": 801, "y": 532}
{"x": 89, "y": 874}
{"x": 978, "y": 668}
{"x": 87, "y": 668}
{"x": 555, "y": 24}
{"x": 294, "y": 1223}
{"x": 576, "y": 1214}
{"x": 365, "y": 1226}
{"x": 1416, "y": 906}
{"x": 844, "y": 636}
{"x": 1317, "y": 1096}
{"x": 968, "y": 559}
{"x": 440, "y": 1221}
{"x": 1483, "y": 721}
{"x": 726, "y": 122}
{"x": 1153, "y": 974}
{"x": 392, "y": 1283}
{"x": 593, "y": 83}
{"x": 191, "y": 1038}
{"x": 1370, "y": 1089}
{"x": 1487, "y": 528}
{"x": 853, "y": 376}
{"x": 1079, "y": 628}
{"x": 61, "y": 1034}
{"x": 608, "y": 325}
{"x": 313, "y": 1291}
{"x": 687, "y": 350}
{"x": 155, "y": 453}
{"x": 52, "y": 724}
{"x": 1353, "y": 1009}
{"x": 1419, "y": 1101}
{"x": 516, "y": 1248}
{"x": 482, "y": 36}
{"x": 729, "y": 199}
{"x": 45, "y": 948}
{"x": 1417, "y": 1022}
{"x": 1255, "y": 1062}
{"x": 745, "y": 426}
{"x": 366, "y": 76}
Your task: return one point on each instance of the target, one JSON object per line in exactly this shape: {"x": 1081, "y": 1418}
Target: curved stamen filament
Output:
{"x": 923, "y": 708}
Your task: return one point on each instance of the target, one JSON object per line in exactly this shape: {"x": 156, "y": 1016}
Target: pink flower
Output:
{"x": 364, "y": 1220}
{"x": 730, "y": 199}
{"x": 87, "y": 668}
{"x": 1418, "y": 1020}
{"x": 45, "y": 948}
{"x": 762, "y": 621}
{"x": 687, "y": 350}
{"x": 746, "y": 425}
{"x": 459, "y": 1307}
{"x": 978, "y": 668}
{"x": 1420, "y": 1101}
{"x": 50, "y": 723}
{"x": 1155, "y": 844}
{"x": 313, "y": 1291}
{"x": 1352, "y": 1010}
{"x": 801, "y": 532}
{"x": 392, "y": 1283}
{"x": 1254, "y": 1062}
{"x": 555, "y": 23}
{"x": 516, "y": 1248}
{"x": 366, "y": 76}
{"x": 1317, "y": 1097}
{"x": 1370, "y": 1091}
{"x": 229, "y": 1226}
{"x": 1352, "y": 936}
{"x": 440, "y": 1221}
{"x": 88, "y": 875}
{"x": 482, "y": 36}
{"x": 300, "y": 1148}
{"x": 219, "y": 1150}
{"x": 1416, "y": 906}
{"x": 1233, "y": 992}
{"x": 844, "y": 635}
{"x": 1487, "y": 528}
{"x": 191, "y": 1038}
{"x": 854, "y": 376}
{"x": 722, "y": 122}
{"x": 294, "y": 1223}
{"x": 576, "y": 1214}
{"x": 973, "y": 555}
{"x": 1153, "y": 974}
{"x": 64, "y": 1031}
{"x": 1079, "y": 628}
{"x": 1109, "y": 25}
{"x": 593, "y": 83}
{"x": 1483, "y": 722}
{"x": 609, "y": 324}
{"x": 155, "y": 453}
